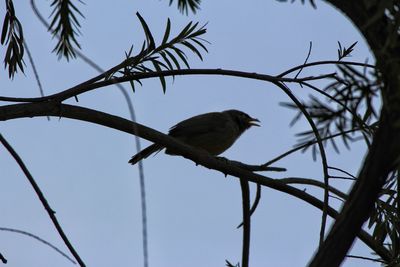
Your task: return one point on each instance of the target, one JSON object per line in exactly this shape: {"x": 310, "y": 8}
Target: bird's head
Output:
{"x": 243, "y": 120}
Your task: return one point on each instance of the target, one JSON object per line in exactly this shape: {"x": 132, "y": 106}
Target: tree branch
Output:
{"x": 383, "y": 154}
{"x": 91, "y": 84}
{"x": 42, "y": 198}
{"x": 6, "y": 229}
{"x": 244, "y": 185}
{"x": 322, "y": 153}
{"x": 128, "y": 101}
{"x": 73, "y": 112}
{"x": 307, "y": 181}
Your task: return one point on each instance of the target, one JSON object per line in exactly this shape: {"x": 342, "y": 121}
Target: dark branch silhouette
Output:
{"x": 42, "y": 199}
{"x": 73, "y": 112}
{"x": 18, "y": 231}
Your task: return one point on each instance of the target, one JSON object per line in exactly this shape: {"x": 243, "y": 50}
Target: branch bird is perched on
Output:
{"x": 213, "y": 132}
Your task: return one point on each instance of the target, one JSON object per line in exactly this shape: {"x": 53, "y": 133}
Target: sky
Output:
{"x": 192, "y": 211}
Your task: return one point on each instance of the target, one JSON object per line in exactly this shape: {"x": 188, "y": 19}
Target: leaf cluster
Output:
{"x": 169, "y": 55}
{"x": 185, "y": 5}
{"x": 12, "y": 36}
{"x": 348, "y": 104}
{"x": 345, "y": 52}
{"x": 385, "y": 221}
{"x": 65, "y": 25}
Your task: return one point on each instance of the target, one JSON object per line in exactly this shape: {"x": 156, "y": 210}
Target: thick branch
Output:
{"x": 85, "y": 114}
{"x": 382, "y": 157}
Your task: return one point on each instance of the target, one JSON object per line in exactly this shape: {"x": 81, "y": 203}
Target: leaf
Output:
{"x": 5, "y": 28}
{"x": 165, "y": 58}
{"x": 197, "y": 33}
{"x": 65, "y": 25}
{"x": 162, "y": 78}
{"x": 339, "y": 50}
{"x": 167, "y": 32}
{"x": 160, "y": 63}
{"x": 184, "y": 5}
{"x": 191, "y": 47}
{"x": 182, "y": 56}
{"x": 183, "y": 32}
{"x": 173, "y": 59}
{"x": 345, "y": 52}
{"x": 150, "y": 40}
{"x": 191, "y": 29}
{"x": 200, "y": 44}
{"x": 131, "y": 82}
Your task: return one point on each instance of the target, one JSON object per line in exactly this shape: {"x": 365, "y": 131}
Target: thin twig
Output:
{"x": 258, "y": 168}
{"x": 308, "y": 181}
{"x": 137, "y": 140}
{"x": 35, "y": 72}
{"x": 355, "y": 115}
{"x": 93, "y": 83}
{"x": 244, "y": 185}
{"x": 305, "y": 61}
{"x": 325, "y": 62}
{"x": 365, "y": 258}
{"x": 322, "y": 153}
{"x": 38, "y": 239}
{"x": 300, "y": 147}
{"x": 43, "y": 200}
{"x": 337, "y": 198}
{"x": 340, "y": 177}
{"x": 255, "y": 203}
{"x": 343, "y": 171}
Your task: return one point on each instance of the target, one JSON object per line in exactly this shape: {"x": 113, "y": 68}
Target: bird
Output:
{"x": 213, "y": 132}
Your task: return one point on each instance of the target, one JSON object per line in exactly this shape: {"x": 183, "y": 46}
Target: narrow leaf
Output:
{"x": 173, "y": 59}
{"x": 5, "y": 28}
{"x": 191, "y": 47}
{"x": 162, "y": 78}
{"x": 166, "y": 60}
{"x": 182, "y": 56}
{"x": 200, "y": 44}
{"x": 182, "y": 34}
{"x": 149, "y": 36}
{"x": 167, "y": 32}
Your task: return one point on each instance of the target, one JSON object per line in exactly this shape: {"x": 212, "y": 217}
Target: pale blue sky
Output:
{"x": 192, "y": 211}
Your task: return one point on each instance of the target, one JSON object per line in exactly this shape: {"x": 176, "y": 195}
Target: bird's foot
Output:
{"x": 224, "y": 160}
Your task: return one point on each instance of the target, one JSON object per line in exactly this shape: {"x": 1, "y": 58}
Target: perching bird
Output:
{"x": 213, "y": 132}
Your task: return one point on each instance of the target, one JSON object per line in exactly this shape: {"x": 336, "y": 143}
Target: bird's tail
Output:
{"x": 145, "y": 153}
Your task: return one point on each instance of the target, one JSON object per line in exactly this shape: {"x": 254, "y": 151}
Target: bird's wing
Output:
{"x": 200, "y": 124}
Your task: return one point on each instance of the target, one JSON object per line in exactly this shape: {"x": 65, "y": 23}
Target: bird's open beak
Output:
{"x": 253, "y": 122}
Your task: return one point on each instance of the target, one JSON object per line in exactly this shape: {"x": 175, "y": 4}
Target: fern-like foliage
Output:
{"x": 345, "y": 52}
{"x": 350, "y": 105}
{"x": 66, "y": 26}
{"x": 384, "y": 220}
{"x": 185, "y": 5}
{"x": 12, "y": 36}
{"x": 312, "y": 2}
{"x": 168, "y": 55}
{"x": 229, "y": 264}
